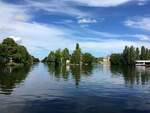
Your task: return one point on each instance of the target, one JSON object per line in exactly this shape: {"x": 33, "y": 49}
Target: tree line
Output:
{"x": 12, "y": 53}
{"x": 63, "y": 57}
{"x": 129, "y": 55}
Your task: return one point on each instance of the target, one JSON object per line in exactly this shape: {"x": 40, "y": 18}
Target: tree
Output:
{"x": 51, "y": 57}
{"x": 126, "y": 55}
{"x": 65, "y": 55}
{"x": 132, "y": 56}
{"x": 143, "y": 51}
{"x": 58, "y": 59}
{"x": 9, "y": 49}
{"x": 146, "y": 54}
{"x": 149, "y": 54}
{"x": 87, "y": 58}
{"x": 116, "y": 59}
{"x": 137, "y": 53}
{"x": 9, "y": 42}
{"x": 45, "y": 60}
{"x": 76, "y": 56}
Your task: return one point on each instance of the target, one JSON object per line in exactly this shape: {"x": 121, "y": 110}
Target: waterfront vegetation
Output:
{"x": 64, "y": 57}
{"x": 12, "y": 53}
{"x": 10, "y": 76}
{"x": 66, "y": 79}
{"x": 130, "y": 55}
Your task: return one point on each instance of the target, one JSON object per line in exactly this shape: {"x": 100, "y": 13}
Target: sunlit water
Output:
{"x": 42, "y": 88}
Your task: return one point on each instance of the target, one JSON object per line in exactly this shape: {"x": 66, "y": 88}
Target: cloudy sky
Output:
{"x": 100, "y": 26}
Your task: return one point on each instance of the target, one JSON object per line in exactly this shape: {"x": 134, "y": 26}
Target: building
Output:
{"x": 67, "y": 62}
{"x": 105, "y": 60}
{"x": 142, "y": 62}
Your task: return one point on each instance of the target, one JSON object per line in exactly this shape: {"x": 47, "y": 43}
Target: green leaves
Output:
{"x": 87, "y": 58}
{"x": 76, "y": 55}
{"x": 62, "y": 56}
{"x": 130, "y": 54}
{"x": 9, "y": 49}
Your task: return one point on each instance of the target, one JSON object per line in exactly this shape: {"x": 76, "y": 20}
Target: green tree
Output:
{"x": 132, "y": 56}
{"x": 125, "y": 55}
{"x": 51, "y": 57}
{"x": 143, "y": 51}
{"x": 9, "y": 49}
{"x": 76, "y": 56}
{"x": 9, "y": 42}
{"x": 65, "y": 55}
{"x": 58, "y": 58}
{"x": 87, "y": 58}
{"x": 116, "y": 59}
{"x": 137, "y": 53}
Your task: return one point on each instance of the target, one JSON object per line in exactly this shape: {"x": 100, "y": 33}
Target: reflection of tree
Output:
{"x": 132, "y": 75}
{"x": 11, "y": 76}
{"x": 87, "y": 69}
{"x": 65, "y": 72}
{"x": 58, "y": 71}
{"x": 74, "y": 70}
{"x": 76, "y": 73}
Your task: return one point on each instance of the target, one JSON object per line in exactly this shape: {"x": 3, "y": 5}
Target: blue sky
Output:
{"x": 99, "y": 26}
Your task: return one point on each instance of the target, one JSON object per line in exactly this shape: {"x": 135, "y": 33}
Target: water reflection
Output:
{"x": 65, "y": 71}
{"x": 132, "y": 75}
{"x": 12, "y": 76}
{"x": 100, "y": 89}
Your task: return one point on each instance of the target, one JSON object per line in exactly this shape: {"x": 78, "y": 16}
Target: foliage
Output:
{"x": 65, "y": 55}
{"x": 76, "y": 55}
{"x": 61, "y": 56}
{"x": 116, "y": 59}
{"x": 87, "y": 58}
{"x": 51, "y": 57}
{"x": 58, "y": 57}
{"x": 130, "y": 54}
{"x": 10, "y": 50}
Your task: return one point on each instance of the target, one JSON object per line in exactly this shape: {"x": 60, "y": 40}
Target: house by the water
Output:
{"x": 105, "y": 60}
{"x": 142, "y": 62}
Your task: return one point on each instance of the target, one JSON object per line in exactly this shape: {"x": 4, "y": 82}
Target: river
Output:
{"x": 43, "y": 88}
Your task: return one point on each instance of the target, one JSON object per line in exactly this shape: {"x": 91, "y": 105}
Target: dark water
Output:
{"x": 42, "y": 88}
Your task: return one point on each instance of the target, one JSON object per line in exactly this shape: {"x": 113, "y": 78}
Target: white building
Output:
{"x": 142, "y": 62}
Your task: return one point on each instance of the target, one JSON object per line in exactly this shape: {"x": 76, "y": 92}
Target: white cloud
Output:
{"x": 109, "y": 46}
{"x": 40, "y": 39}
{"x": 102, "y": 3}
{"x": 54, "y": 6}
{"x": 86, "y": 21}
{"x": 69, "y": 7}
{"x": 16, "y": 39}
{"x": 143, "y": 37}
{"x": 139, "y": 23}
{"x": 142, "y": 2}
{"x": 64, "y": 5}
{"x": 32, "y": 34}
{"x": 12, "y": 13}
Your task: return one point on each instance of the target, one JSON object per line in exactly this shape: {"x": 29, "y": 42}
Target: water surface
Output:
{"x": 43, "y": 88}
